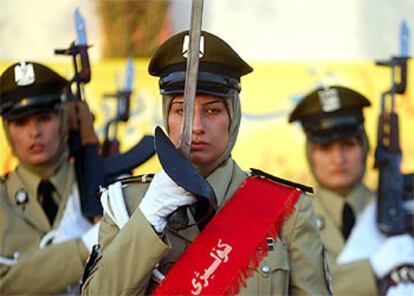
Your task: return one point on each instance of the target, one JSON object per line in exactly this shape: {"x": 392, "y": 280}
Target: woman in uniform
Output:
{"x": 262, "y": 239}
{"x": 45, "y": 240}
{"x": 336, "y": 149}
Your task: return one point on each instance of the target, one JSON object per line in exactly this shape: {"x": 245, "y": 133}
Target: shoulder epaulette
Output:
{"x": 145, "y": 178}
{"x": 304, "y": 188}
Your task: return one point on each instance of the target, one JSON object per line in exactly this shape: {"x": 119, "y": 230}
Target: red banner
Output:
{"x": 232, "y": 245}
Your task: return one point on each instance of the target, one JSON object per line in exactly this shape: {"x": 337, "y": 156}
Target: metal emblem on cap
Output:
{"x": 329, "y": 100}
{"x": 21, "y": 197}
{"x": 186, "y": 44}
{"x": 24, "y": 74}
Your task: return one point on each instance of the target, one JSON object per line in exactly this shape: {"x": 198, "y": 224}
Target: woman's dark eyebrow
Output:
{"x": 214, "y": 102}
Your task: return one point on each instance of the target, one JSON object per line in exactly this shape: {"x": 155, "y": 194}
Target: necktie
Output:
{"x": 45, "y": 191}
{"x": 348, "y": 220}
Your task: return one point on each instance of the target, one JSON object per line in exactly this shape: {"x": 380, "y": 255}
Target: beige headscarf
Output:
{"x": 45, "y": 171}
{"x": 234, "y": 109}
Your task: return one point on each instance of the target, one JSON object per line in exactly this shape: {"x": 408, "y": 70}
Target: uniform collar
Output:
{"x": 335, "y": 202}
{"x": 225, "y": 180}
{"x": 31, "y": 180}
{"x": 60, "y": 179}
{"x": 220, "y": 180}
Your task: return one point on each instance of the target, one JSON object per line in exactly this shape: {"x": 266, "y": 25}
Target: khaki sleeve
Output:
{"x": 127, "y": 259}
{"x": 45, "y": 271}
{"x": 349, "y": 279}
{"x": 308, "y": 274}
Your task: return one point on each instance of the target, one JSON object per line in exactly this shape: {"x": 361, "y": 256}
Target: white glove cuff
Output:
{"x": 90, "y": 237}
{"x": 156, "y": 221}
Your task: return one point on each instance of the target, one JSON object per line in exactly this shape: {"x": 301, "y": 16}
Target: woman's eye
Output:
{"x": 324, "y": 146}
{"x": 45, "y": 117}
{"x": 212, "y": 111}
{"x": 19, "y": 122}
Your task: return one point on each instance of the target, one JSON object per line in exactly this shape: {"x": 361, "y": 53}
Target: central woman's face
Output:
{"x": 211, "y": 126}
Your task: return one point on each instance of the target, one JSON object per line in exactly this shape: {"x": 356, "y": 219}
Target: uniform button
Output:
{"x": 21, "y": 197}
{"x": 266, "y": 269}
{"x": 17, "y": 255}
{"x": 320, "y": 222}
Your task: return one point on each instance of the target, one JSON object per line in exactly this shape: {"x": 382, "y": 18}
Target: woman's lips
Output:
{"x": 37, "y": 148}
{"x": 197, "y": 146}
{"x": 339, "y": 172}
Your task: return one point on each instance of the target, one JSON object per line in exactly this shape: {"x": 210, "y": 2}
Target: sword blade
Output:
{"x": 191, "y": 77}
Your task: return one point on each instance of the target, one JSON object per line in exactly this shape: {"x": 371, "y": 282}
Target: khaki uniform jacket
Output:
{"x": 36, "y": 271}
{"x": 328, "y": 206}
{"x": 295, "y": 266}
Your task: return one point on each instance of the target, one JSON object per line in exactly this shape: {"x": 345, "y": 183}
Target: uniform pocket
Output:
{"x": 274, "y": 270}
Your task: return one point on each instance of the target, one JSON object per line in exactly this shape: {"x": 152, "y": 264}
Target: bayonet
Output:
{"x": 110, "y": 147}
{"x": 80, "y": 28}
{"x": 82, "y": 45}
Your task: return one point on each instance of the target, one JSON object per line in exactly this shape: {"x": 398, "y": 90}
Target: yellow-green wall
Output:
{"x": 265, "y": 141}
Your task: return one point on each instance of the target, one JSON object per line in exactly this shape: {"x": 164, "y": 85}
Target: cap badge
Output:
{"x": 24, "y": 74}
{"x": 21, "y": 197}
{"x": 329, "y": 100}
{"x": 186, "y": 44}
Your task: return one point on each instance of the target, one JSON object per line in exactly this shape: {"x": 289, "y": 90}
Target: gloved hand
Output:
{"x": 401, "y": 289}
{"x": 72, "y": 225}
{"x": 394, "y": 252}
{"x": 80, "y": 118}
{"x": 161, "y": 199}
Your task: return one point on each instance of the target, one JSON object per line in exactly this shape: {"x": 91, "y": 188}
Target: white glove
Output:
{"x": 394, "y": 252}
{"x": 90, "y": 237}
{"x": 72, "y": 225}
{"x": 162, "y": 198}
{"x": 112, "y": 200}
{"x": 402, "y": 289}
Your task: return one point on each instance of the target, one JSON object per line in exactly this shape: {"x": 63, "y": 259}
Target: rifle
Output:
{"x": 92, "y": 170}
{"x": 394, "y": 188}
{"x": 82, "y": 154}
{"x": 110, "y": 147}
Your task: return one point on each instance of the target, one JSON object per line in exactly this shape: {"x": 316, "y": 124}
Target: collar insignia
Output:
{"x": 21, "y": 197}
{"x": 320, "y": 222}
{"x": 24, "y": 74}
